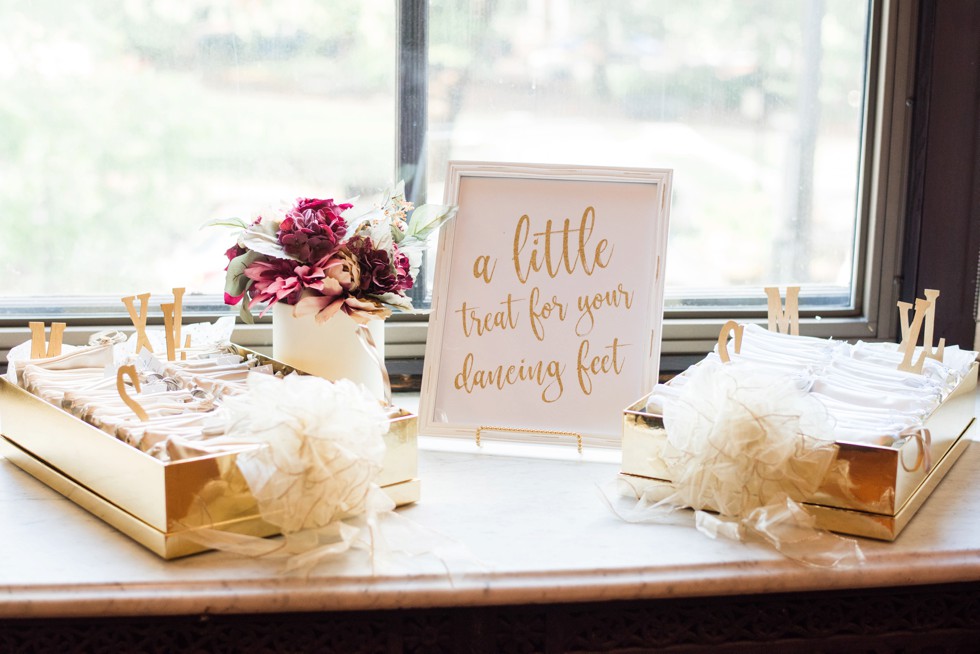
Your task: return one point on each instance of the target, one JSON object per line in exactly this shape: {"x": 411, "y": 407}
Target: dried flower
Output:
{"x": 379, "y": 274}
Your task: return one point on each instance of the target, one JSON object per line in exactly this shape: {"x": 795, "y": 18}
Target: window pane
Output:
{"x": 756, "y": 105}
{"x": 125, "y": 126}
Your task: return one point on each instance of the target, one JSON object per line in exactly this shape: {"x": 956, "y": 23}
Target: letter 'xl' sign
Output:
{"x": 548, "y": 301}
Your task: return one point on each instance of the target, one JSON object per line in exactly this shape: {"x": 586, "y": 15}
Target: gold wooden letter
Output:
{"x": 788, "y": 321}
{"x": 130, "y": 371}
{"x": 925, "y": 311}
{"x": 726, "y": 329}
{"x": 168, "y": 328}
{"x": 139, "y": 320}
{"x": 172, "y": 316}
{"x": 41, "y": 350}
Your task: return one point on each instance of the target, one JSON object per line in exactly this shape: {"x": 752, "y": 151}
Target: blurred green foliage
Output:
{"x": 126, "y": 124}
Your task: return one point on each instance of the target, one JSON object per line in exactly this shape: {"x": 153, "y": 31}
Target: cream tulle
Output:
{"x": 314, "y": 475}
{"x": 740, "y": 441}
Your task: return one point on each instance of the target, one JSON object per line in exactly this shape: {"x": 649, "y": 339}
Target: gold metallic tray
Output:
{"x": 148, "y": 499}
{"x": 888, "y": 483}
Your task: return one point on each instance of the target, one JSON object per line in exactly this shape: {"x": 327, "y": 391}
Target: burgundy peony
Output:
{"x": 379, "y": 275}
{"x": 313, "y": 229}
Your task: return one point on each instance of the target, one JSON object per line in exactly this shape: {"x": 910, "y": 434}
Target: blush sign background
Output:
{"x": 548, "y": 301}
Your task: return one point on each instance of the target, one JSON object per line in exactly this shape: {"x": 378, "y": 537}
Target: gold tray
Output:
{"x": 886, "y": 486}
{"x": 148, "y": 499}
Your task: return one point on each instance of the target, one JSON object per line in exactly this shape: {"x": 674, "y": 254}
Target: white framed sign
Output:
{"x": 548, "y": 301}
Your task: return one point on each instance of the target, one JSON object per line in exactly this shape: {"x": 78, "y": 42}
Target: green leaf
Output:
{"x": 429, "y": 217}
{"x": 236, "y": 282}
{"x": 226, "y": 222}
{"x": 245, "y": 313}
{"x": 264, "y": 243}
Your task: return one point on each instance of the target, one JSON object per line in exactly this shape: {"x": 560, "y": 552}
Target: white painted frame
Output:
{"x": 631, "y": 212}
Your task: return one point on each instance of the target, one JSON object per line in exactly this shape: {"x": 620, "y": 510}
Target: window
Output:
{"x": 125, "y": 126}
{"x": 128, "y": 125}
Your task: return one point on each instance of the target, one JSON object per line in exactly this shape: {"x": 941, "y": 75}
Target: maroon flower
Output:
{"x": 312, "y": 230}
{"x": 379, "y": 275}
{"x": 402, "y": 268}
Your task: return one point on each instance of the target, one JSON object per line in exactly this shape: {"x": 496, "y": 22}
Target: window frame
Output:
{"x": 883, "y": 183}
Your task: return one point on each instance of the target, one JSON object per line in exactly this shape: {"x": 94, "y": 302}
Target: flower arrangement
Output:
{"x": 323, "y": 257}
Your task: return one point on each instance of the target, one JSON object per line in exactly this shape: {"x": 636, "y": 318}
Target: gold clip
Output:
{"x": 525, "y": 430}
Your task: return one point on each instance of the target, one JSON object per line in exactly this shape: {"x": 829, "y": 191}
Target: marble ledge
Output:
{"x": 536, "y": 531}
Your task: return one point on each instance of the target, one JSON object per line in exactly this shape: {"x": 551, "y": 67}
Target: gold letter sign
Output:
{"x": 728, "y": 328}
{"x": 925, "y": 310}
{"x": 788, "y": 321}
{"x": 53, "y": 347}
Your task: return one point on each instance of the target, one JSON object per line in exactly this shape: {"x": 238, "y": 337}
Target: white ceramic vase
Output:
{"x": 332, "y": 349}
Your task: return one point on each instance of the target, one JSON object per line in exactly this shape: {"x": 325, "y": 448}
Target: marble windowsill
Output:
{"x": 537, "y": 525}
